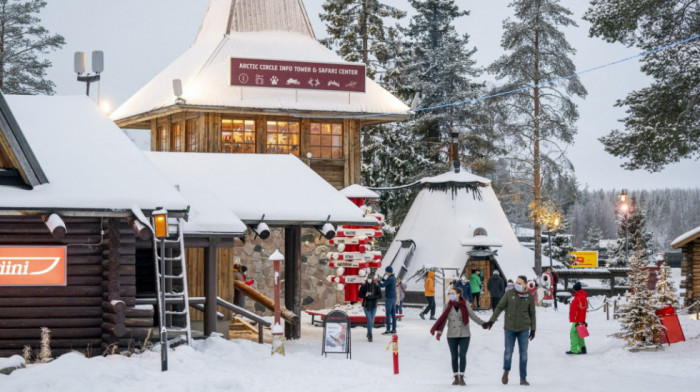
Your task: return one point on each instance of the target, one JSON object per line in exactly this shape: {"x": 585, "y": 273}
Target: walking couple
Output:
{"x": 520, "y": 324}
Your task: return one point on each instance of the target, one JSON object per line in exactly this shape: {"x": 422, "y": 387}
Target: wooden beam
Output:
{"x": 210, "y": 289}
{"x": 264, "y": 301}
{"x": 292, "y": 278}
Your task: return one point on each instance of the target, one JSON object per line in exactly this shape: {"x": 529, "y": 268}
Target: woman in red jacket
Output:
{"x": 577, "y": 315}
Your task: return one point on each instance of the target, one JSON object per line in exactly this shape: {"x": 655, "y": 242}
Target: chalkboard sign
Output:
{"x": 336, "y": 334}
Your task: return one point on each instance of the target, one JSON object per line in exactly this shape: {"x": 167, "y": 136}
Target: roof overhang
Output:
{"x": 686, "y": 238}
{"x": 77, "y": 212}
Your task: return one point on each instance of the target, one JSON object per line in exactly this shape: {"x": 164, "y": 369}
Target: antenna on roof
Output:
{"x": 98, "y": 66}
{"x": 177, "y": 90}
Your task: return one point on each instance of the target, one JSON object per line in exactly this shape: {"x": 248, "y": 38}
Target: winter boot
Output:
{"x": 583, "y": 350}
{"x": 504, "y": 378}
{"x": 456, "y": 381}
{"x": 461, "y": 380}
{"x": 422, "y": 316}
{"x": 524, "y": 382}
{"x": 369, "y": 338}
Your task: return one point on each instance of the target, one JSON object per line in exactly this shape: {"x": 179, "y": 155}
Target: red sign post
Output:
{"x": 277, "y": 330}
{"x": 33, "y": 266}
{"x": 297, "y": 75}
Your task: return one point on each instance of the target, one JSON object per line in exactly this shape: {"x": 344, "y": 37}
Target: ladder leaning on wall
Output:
{"x": 177, "y": 308}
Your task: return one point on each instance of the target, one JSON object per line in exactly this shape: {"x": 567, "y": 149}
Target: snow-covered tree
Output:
{"x": 663, "y": 120}
{"x": 665, "y": 292}
{"x": 637, "y": 238}
{"x": 358, "y": 33}
{"x": 541, "y": 120}
{"x": 638, "y": 321}
{"x": 593, "y": 237}
{"x": 22, "y": 42}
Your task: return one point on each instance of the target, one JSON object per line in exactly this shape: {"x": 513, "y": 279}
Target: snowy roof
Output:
{"x": 481, "y": 240}
{"x": 439, "y": 220}
{"x": 15, "y": 150}
{"x": 463, "y": 177}
{"x": 280, "y": 187}
{"x": 225, "y": 17}
{"x": 204, "y": 70}
{"x": 686, "y": 238}
{"x": 359, "y": 192}
{"x": 89, "y": 162}
{"x": 209, "y": 215}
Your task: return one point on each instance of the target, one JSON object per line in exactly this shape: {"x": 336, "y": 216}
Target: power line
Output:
{"x": 524, "y": 88}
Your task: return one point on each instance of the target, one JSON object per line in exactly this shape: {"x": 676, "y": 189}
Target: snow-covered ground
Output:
{"x": 220, "y": 365}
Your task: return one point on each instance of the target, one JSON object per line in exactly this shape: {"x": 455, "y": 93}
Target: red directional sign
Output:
{"x": 297, "y": 75}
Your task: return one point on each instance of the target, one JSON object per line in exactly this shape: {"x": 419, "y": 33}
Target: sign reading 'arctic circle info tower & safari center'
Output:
{"x": 297, "y": 75}
{"x": 33, "y": 266}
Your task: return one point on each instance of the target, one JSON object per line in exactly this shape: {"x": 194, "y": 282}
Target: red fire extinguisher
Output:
{"x": 395, "y": 343}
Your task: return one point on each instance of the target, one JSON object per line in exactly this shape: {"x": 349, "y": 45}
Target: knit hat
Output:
{"x": 577, "y": 286}
{"x": 496, "y": 273}
{"x": 389, "y": 270}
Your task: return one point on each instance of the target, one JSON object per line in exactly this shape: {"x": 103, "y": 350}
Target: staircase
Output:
{"x": 177, "y": 308}
{"x": 242, "y": 329}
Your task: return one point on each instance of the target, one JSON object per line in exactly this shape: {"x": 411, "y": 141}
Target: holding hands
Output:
{"x": 487, "y": 325}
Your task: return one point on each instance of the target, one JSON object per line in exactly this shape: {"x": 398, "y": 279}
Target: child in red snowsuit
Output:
{"x": 577, "y": 315}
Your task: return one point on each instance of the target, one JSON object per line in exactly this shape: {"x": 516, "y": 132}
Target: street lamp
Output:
{"x": 553, "y": 224}
{"x": 624, "y": 207}
{"x": 162, "y": 231}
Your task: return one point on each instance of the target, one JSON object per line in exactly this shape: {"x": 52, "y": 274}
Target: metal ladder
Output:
{"x": 174, "y": 280}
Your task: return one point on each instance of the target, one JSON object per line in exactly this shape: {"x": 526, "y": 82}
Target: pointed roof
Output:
{"x": 15, "y": 152}
{"x": 256, "y": 29}
{"x": 225, "y": 17}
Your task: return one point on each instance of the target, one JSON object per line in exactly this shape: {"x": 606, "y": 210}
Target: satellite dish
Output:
{"x": 98, "y": 61}
{"x": 177, "y": 87}
{"x": 79, "y": 62}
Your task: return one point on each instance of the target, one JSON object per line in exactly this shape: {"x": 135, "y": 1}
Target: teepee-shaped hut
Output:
{"x": 456, "y": 223}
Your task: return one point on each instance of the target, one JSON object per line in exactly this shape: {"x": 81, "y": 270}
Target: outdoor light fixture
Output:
{"x": 327, "y": 230}
{"x": 98, "y": 66}
{"x": 625, "y": 208}
{"x": 160, "y": 218}
{"x": 262, "y": 230}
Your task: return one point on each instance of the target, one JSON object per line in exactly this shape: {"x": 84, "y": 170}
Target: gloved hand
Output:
{"x": 487, "y": 325}
{"x": 437, "y": 335}
{"x": 532, "y": 334}
{"x": 586, "y": 324}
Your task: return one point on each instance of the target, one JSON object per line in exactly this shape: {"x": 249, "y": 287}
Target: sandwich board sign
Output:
{"x": 336, "y": 334}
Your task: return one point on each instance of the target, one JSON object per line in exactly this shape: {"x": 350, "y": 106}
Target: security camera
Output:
{"x": 262, "y": 230}
{"x": 327, "y": 230}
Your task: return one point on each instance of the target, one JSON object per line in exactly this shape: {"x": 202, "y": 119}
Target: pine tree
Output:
{"x": 639, "y": 324}
{"x": 562, "y": 244}
{"x": 437, "y": 67}
{"x": 663, "y": 120}
{"x": 665, "y": 292}
{"x": 22, "y": 42}
{"x": 635, "y": 238}
{"x": 357, "y": 31}
{"x": 593, "y": 237}
{"x": 542, "y": 119}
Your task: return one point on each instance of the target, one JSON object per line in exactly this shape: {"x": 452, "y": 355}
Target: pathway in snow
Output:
{"x": 220, "y": 365}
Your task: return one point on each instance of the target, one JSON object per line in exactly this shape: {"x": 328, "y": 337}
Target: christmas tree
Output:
{"x": 640, "y": 325}
{"x": 593, "y": 237}
{"x": 636, "y": 235}
{"x": 665, "y": 292}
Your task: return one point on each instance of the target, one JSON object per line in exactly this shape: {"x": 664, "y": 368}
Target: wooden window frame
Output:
{"x": 251, "y": 146}
{"x": 322, "y": 150}
{"x": 277, "y": 148}
{"x": 176, "y": 138}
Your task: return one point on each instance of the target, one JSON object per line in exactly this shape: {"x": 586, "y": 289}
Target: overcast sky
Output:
{"x": 141, "y": 37}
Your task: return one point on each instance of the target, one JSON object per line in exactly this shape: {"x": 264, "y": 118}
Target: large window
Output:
{"x": 283, "y": 137}
{"x": 326, "y": 140}
{"x": 176, "y": 138}
{"x": 190, "y": 136}
{"x": 163, "y": 138}
{"x": 238, "y": 136}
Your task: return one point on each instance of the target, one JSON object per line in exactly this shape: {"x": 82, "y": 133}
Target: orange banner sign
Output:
{"x": 33, "y": 266}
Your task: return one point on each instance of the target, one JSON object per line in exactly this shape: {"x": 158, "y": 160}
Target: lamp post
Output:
{"x": 551, "y": 226}
{"x": 162, "y": 230}
{"x": 625, "y": 208}
{"x": 277, "y": 330}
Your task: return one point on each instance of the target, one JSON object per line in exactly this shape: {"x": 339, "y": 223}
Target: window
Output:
{"x": 163, "y": 138}
{"x": 326, "y": 140}
{"x": 238, "y": 136}
{"x": 175, "y": 138}
{"x": 191, "y": 136}
{"x": 283, "y": 137}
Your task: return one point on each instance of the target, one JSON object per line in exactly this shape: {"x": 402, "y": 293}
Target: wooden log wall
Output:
{"x": 74, "y": 312}
{"x": 195, "y": 278}
{"x": 690, "y": 271}
{"x": 205, "y": 128}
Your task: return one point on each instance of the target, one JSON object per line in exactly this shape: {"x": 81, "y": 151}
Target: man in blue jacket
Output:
{"x": 388, "y": 282}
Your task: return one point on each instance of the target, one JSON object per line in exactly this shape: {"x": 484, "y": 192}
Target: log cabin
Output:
{"x": 257, "y": 81}
{"x": 689, "y": 243}
{"x": 71, "y": 185}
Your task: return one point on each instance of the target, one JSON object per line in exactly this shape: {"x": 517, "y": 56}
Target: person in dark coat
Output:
{"x": 496, "y": 287}
{"x": 466, "y": 287}
{"x": 388, "y": 282}
{"x": 370, "y": 292}
{"x": 555, "y": 284}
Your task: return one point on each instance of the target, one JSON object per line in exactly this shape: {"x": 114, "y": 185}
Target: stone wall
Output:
{"x": 316, "y": 292}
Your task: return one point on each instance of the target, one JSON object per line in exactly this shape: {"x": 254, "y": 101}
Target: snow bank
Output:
{"x": 8, "y": 365}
